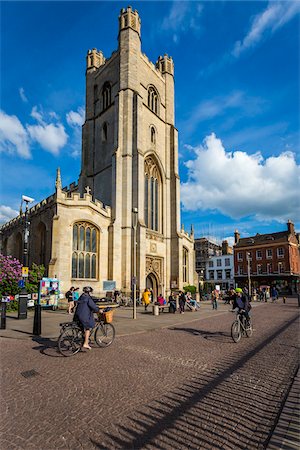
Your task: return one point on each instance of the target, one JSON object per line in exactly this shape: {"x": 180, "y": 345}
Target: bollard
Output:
{"x": 22, "y": 304}
{"x": 37, "y": 320}
{"x": 3, "y": 316}
{"x": 156, "y": 310}
{"x": 284, "y": 299}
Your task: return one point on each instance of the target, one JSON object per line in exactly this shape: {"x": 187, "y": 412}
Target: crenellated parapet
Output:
{"x": 94, "y": 59}
{"x": 129, "y": 19}
{"x": 165, "y": 64}
{"x": 75, "y": 199}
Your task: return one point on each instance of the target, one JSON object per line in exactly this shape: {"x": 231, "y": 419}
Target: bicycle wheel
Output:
{"x": 249, "y": 328}
{"x": 236, "y": 333}
{"x": 70, "y": 341}
{"x": 104, "y": 334}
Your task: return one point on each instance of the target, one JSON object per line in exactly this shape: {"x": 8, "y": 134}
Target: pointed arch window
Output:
{"x": 106, "y": 95}
{"x": 185, "y": 265}
{"x": 153, "y": 196}
{"x": 85, "y": 250}
{"x": 152, "y": 135}
{"x": 153, "y": 99}
{"x": 104, "y": 132}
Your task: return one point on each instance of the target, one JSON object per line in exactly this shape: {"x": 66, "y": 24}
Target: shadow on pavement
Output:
{"x": 209, "y": 335}
{"x": 47, "y": 347}
{"x": 232, "y": 405}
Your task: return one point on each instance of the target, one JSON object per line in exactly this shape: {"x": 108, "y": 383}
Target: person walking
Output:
{"x": 274, "y": 294}
{"x": 69, "y": 297}
{"x": 182, "y": 300}
{"x": 146, "y": 298}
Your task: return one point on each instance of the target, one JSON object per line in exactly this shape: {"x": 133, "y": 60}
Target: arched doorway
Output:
{"x": 151, "y": 283}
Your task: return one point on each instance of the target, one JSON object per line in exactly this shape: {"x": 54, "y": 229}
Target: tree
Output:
{"x": 191, "y": 289}
{"x": 10, "y": 274}
{"x": 36, "y": 273}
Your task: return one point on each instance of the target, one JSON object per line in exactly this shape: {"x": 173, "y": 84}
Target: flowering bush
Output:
{"x": 10, "y": 274}
{"x": 36, "y": 273}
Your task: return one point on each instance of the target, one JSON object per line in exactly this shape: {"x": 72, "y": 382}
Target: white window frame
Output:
{"x": 271, "y": 255}
{"x": 258, "y": 257}
{"x": 280, "y": 255}
{"x": 240, "y": 256}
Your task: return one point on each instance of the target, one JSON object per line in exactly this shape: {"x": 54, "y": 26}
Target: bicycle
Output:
{"x": 71, "y": 336}
{"x": 241, "y": 327}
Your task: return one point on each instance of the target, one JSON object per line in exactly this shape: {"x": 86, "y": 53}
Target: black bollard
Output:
{"x": 3, "y": 316}
{"x": 37, "y": 320}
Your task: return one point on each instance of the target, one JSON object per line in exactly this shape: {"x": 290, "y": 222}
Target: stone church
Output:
{"x": 121, "y": 221}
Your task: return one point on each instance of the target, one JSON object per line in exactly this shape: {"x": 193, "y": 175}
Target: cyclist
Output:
{"x": 243, "y": 303}
{"x": 85, "y": 314}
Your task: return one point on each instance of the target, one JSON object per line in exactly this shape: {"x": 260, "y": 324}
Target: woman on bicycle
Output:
{"x": 85, "y": 314}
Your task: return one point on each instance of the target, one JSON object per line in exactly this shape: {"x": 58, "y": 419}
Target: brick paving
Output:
{"x": 185, "y": 386}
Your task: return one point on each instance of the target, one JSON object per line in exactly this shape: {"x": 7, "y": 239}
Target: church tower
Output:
{"x": 130, "y": 162}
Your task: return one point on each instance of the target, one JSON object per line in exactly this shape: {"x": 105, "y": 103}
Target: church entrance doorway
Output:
{"x": 151, "y": 283}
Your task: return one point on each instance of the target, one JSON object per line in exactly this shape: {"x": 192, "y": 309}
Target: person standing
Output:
{"x": 214, "y": 298}
{"x": 182, "y": 300}
{"x": 69, "y": 297}
{"x": 172, "y": 303}
{"x": 274, "y": 294}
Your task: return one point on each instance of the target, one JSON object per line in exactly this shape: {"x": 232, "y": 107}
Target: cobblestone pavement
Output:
{"x": 188, "y": 386}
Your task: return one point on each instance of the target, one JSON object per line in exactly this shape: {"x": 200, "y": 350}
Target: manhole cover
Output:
{"x": 29, "y": 373}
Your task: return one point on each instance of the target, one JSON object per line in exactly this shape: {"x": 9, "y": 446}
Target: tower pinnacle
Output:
{"x": 129, "y": 19}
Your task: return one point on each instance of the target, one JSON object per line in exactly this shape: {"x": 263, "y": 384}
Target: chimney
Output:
{"x": 291, "y": 227}
{"x": 236, "y": 237}
{"x": 224, "y": 248}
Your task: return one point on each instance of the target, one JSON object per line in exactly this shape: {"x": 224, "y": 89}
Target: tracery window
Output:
{"x": 153, "y": 195}
{"x": 106, "y": 95}
{"x": 153, "y": 99}
{"x": 185, "y": 265}
{"x": 85, "y": 249}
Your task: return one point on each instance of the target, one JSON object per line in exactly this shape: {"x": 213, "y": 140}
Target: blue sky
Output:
{"x": 237, "y": 102}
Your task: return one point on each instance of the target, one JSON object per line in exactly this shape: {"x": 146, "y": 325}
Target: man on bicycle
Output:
{"x": 85, "y": 313}
{"x": 243, "y": 304}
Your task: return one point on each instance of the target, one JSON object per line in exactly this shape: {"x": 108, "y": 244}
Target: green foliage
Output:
{"x": 12, "y": 306}
{"x": 36, "y": 273}
{"x": 191, "y": 289}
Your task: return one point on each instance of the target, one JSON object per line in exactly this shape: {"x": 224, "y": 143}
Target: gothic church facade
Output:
{"x": 121, "y": 221}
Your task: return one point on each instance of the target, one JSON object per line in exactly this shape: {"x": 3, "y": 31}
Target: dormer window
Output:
{"x": 106, "y": 95}
{"x": 153, "y": 99}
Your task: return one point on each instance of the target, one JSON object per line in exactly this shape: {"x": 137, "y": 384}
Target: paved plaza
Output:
{"x": 167, "y": 382}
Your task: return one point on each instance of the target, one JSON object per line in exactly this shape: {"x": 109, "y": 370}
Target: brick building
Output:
{"x": 274, "y": 259}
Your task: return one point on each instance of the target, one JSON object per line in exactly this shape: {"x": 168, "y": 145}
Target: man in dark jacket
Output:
{"x": 85, "y": 313}
{"x": 243, "y": 303}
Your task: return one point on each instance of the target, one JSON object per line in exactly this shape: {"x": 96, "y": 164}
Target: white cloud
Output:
{"x": 239, "y": 185}
{"x": 51, "y": 137}
{"x": 183, "y": 16}
{"x": 22, "y": 95}
{"x": 76, "y": 118}
{"x": 271, "y": 19}
{"x": 37, "y": 115}
{"x": 236, "y": 100}
{"x": 13, "y": 136}
{"x": 7, "y": 213}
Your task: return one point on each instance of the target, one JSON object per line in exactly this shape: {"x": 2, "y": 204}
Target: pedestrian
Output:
{"x": 214, "y": 298}
{"x": 75, "y": 296}
{"x": 182, "y": 300}
{"x": 172, "y": 303}
{"x": 274, "y": 294}
{"x": 146, "y": 300}
{"x": 69, "y": 297}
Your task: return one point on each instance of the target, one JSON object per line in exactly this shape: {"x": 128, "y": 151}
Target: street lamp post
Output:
{"x": 249, "y": 277}
{"x": 134, "y": 226}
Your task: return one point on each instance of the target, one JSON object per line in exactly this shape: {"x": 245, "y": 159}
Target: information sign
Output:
{"x": 109, "y": 285}
{"x": 25, "y": 272}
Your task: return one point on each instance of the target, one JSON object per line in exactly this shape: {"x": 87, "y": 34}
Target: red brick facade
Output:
{"x": 274, "y": 259}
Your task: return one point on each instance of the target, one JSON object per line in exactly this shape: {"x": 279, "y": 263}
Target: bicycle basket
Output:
{"x": 107, "y": 316}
